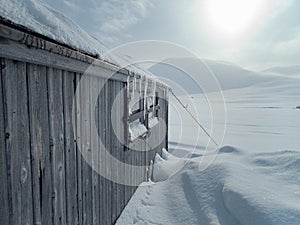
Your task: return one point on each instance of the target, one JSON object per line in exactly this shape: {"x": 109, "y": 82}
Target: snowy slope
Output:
{"x": 41, "y": 18}
{"x": 287, "y": 70}
{"x": 255, "y": 176}
{"x": 229, "y": 76}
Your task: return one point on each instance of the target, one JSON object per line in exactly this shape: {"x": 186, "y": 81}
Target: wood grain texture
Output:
{"x": 39, "y": 130}
{"x": 78, "y": 150}
{"x": 18, "y": 142}
{"x": 57, "y": 145}
{"x": 70, "y": 149}
{"x": 4, "y": 197}
{"x": 94, "y": 91}
{"x": 86, "y": 150}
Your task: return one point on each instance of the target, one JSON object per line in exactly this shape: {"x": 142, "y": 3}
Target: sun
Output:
{"x": 233, "y": 17}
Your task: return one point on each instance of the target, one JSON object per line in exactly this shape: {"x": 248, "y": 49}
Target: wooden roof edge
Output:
{"x": 33, "y": 39}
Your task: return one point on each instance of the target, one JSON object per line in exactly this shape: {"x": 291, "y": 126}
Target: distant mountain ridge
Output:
{"x": 229, "y": 75}
{"x": 285, "y": 70}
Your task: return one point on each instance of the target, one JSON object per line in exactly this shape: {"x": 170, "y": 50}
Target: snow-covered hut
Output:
{"x": 48, "y": 154}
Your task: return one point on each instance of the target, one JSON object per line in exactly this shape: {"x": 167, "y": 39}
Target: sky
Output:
{"x": 251, "y": 33}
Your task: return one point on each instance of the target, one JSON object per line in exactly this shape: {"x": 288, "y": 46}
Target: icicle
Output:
{"x": 141, "y": 87}
{"x": 145, "y": 96}
{"x": 133, "y": 88}
{"x": 129, "y": 96}
{"x": 154, "y": 93}
{"x": 128, "y": 88}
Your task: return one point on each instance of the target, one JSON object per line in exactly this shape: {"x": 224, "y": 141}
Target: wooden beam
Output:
{"x": 140, "y": 114}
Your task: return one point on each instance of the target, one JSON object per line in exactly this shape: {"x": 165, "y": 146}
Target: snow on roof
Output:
{"x": 41, "y": 18}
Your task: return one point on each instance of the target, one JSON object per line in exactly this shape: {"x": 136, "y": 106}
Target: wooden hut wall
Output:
{"x": 44, "y": 178}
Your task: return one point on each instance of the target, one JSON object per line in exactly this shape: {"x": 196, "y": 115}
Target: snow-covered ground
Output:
{"x": 255, "y": 176}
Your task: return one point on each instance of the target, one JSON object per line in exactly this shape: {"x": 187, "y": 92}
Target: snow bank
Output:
{"x": 236, "y": 189}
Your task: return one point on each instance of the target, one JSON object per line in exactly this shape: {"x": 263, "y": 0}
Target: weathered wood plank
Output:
{"x": 4, "y": 197}
{"x": 29, "y": 40}
{"x": 94, "y": 114}
{"x": 120, "y": 152}
{"x": 86, "y": 150}
{"x": 16, "y": 51}
{"x": 39, "y": 130}
{"x": 114, "y": 152}
{"x": 141, "y": 113}
{"x": 108, "y": 147}
{"x": 78, "y": 152}
{"x": 102, "y": 136}
{"x": 18, "y": 142}
{"x": 57, "y": 145}
{"x": 70, "y": 149}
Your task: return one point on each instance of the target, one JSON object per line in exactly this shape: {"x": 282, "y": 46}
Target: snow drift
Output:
{"x": 238, "y": 188}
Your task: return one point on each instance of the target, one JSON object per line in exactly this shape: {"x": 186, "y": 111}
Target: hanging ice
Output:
{"x": 145, "y": 96}
{"x": 154, "y": 93}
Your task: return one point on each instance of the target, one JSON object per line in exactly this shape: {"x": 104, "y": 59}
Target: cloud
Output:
{"x": 107, "y": 20}
{"x": 289, "y": 49}
{"x": 273, "y": 44}
{"x": 270, "y": 53}
{"x": 112, "y": 18}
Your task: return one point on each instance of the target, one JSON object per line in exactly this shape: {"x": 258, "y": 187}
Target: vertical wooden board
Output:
{"x": 39, "y": 130}
{"x": 113, "y": 151}
{"x": 86, "y": 150}
{"x": 120, "y": 187}
{"x": 102, "y": 136}
{"x": 122, "y": 128}
{"x": 46, "y": 163}
{"x": 18, "y": 142}
{"x": 4, "y": 209}
{"x": 108, "y": 147}
{"x": 70, "y": 150}
{"x": 57, "y": 145}
{"x": 128, "y": 153}
{"x": 95, "y": 86}
{"x": 79, "y": 159}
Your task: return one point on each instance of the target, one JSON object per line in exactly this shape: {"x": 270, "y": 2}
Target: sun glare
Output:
{"x": 233, "y": 17}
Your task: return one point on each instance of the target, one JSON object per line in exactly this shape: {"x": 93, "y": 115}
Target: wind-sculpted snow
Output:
{"x": 278, "y": 163}
{"x": 236, "y": 189}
